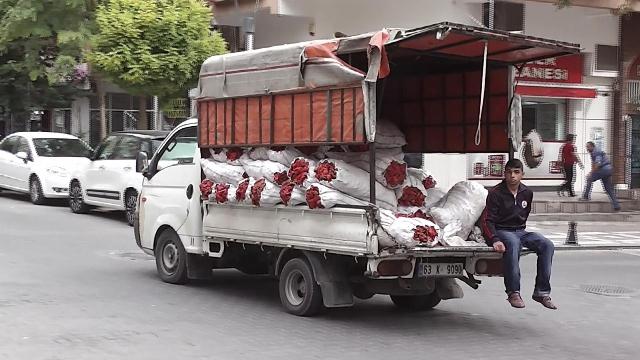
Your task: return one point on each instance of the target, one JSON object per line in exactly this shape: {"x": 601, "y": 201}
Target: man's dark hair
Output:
{"x": 591, "y": 143}
{"x": 570, "y": 137}
{"x": 514, "y": 164}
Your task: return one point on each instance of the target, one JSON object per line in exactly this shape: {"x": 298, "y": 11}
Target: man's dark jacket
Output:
{"x": 505, "y": 211}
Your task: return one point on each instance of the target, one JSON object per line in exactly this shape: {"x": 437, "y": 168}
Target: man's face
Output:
{"x": 513, "y": 176}
{"x": 589, "y": 147}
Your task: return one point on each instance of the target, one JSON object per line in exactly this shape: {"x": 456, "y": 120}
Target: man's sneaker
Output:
{"x": 515, "y": 300}
{"x": 545, "y": 301}
{"x": 583, "y": 199}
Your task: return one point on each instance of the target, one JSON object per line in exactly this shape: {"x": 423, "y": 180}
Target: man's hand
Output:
{"x": 499, "y": 247}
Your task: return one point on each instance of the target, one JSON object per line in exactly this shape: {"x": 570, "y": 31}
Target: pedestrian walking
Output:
{"x": 504, "y": 223}
{"x": 569, "y": 158}
{"x": 601, "y": 169}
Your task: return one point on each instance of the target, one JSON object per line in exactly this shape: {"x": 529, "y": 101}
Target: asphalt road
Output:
{"x": 76, "y": 287}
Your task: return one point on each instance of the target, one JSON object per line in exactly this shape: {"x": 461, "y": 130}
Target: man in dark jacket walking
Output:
{"x": 504, "y": 223}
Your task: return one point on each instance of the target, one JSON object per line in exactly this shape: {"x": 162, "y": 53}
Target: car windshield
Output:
{"x": 55, "y": 147}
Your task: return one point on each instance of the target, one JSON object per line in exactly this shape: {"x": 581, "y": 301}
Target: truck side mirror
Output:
{"x": 142, "y": 162}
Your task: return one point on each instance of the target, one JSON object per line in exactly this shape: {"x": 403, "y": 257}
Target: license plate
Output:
{"x": 441, "y": 269}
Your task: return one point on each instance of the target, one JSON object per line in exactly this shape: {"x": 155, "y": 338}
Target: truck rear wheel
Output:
{"x": 171, "y": 258}
{"x": 416, "y": 302}
{"x": 299, "y": 292}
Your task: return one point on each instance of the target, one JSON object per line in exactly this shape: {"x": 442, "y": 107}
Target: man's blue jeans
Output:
{"x": 514, "y": 241}
{"x": 604, "y": 174}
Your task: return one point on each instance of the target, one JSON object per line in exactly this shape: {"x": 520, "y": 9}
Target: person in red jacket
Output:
{"x": 569, "y": 160}
{"x": 504, "y": 223}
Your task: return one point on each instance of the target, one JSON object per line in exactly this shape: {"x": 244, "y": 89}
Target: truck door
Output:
{"x": 164, "y": 200}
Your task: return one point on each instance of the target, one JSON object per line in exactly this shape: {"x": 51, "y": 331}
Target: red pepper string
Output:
{"x": 234, "y": 153}
{"x": 256, "y": 191}
{"x": 299, "y": 171}
{"x": 205, "y": 188}
{"x": 395, "y": 174}
{"x": 429, "y": 182}
{"x": 285, "y": 192}
{"x": 411, "y": 196}
{"x": 326, "y": 171}
{"x": 241, "y": 192}
{"x": 222, "y": 193}
{"x": 280, "y": 177}
{"x": 313, "y": 198}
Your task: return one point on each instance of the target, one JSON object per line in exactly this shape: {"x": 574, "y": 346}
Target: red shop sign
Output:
{"x": 565, "y": 70}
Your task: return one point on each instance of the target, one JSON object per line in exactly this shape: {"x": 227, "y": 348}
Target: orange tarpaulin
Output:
{"x": 331, "y": 116}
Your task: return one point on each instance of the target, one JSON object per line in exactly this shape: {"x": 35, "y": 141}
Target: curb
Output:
{"x": 623, "y": 216}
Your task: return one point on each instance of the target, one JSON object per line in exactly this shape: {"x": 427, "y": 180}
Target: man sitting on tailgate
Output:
{"x": 504, "y": 222}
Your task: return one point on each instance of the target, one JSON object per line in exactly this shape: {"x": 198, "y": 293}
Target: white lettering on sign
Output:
{"x": 544, "y": 73}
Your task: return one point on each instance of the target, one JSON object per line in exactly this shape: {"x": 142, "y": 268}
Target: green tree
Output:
{"x": 41, "y": 42}
{"x": 153, "y": 47}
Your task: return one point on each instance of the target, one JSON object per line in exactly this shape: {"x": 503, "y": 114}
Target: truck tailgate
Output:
{"x": 338, "y": 230}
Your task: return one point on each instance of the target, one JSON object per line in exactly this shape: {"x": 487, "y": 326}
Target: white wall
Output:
{"x": 581, "y": 25}
{"x": 359, "y": 16}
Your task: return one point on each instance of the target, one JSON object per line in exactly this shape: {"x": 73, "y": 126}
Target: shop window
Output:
{"x": 606, "y": 58}
{"x": 545, "y": 117}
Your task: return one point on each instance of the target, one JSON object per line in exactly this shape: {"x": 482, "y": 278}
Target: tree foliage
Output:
{"x": 41, "y": 42}
{"x": 153, "y": 47}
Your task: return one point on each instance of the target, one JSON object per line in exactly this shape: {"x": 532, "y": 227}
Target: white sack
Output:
{"x": 263, "y": 169}
{"x": 388, "y": 135}
{"x": 269, "y": 196}
{"x": 434, "y": 196}
{"x": 330, "y": 197}
{"x": 353, "y": 181}
{"x": 463, "y": 203}
{"x": 403, "y": 230}
{"x": 220, "y": 172}
{"x": 286, "y": 156}
{"x": 220, "y": 155}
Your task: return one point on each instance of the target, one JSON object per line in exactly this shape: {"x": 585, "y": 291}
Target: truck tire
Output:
{"x": 299, "y": 292}
{"x": 171, "y": 258}
{"x": 416, "y": 302}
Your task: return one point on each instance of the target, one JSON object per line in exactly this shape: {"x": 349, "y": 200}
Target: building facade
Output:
{"x": 573, "y": 95}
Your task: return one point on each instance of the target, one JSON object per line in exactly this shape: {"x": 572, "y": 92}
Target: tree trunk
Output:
{"x": 102, "y": 101}
{"x": 143, "y": 120}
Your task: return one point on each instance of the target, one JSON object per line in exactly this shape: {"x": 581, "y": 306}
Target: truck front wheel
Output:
{"x": 299, "y": 292}
{"x": 171, "y": 258}
{"x": 416, "y": 302}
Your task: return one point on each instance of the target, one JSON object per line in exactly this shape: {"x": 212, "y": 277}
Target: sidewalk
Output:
{"x": 548, "y": 206}
{"x": 589, "y": 233}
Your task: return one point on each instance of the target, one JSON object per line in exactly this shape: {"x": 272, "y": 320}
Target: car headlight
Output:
{"x": 57, "y": 171}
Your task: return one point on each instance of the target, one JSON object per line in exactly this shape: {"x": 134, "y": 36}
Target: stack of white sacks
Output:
{"x": 413, "y": 212}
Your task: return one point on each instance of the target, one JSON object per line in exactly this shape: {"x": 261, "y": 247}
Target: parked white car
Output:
{"x": 40, "y": 163}
{"x": 109, "y": 179}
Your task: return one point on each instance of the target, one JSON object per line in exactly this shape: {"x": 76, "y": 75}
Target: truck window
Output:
{"x": 180, "y": 149}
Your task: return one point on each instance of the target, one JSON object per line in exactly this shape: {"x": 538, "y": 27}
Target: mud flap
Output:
{"x": 199, "y": 267}
{"x": 335, "y": 287}
{"x": 448, "y": 288}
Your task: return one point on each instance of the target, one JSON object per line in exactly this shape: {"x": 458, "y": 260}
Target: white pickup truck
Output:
{"x": 321, "y": 93}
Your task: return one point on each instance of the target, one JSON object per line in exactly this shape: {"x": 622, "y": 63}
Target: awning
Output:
{"x": 456, "y": 40}
{"x": 557, "y": 92}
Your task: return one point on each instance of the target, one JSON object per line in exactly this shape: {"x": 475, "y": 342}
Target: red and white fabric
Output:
{"x": 222, "y": 173}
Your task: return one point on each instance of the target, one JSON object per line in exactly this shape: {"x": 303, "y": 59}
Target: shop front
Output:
{"x": 553, "y": 98}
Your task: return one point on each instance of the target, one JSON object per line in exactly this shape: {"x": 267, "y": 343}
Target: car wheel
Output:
{"x": 130, "y": 203}
{"x": 35, "y": 191}
{"x": 171, "y": 258}
{"x": 76, "y": 201}
{"x": 299, "y": 292}
{"x": 416, "y": 302}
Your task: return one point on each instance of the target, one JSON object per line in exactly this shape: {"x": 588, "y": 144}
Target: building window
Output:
{"x": 507, "y": 16}
{"x": 547, "y": 117}
{"x": 606, "y": 58}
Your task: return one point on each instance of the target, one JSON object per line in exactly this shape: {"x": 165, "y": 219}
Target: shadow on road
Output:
{"x": 376, "y": 314}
